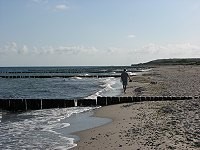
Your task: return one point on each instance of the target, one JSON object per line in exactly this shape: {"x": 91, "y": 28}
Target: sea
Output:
{"x": 53, "y": 128}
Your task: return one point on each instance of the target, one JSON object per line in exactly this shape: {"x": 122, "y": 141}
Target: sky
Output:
{"x": 97, "y": 32}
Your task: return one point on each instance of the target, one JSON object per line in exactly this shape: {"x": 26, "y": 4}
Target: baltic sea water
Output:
{"x": 51, "y": 128}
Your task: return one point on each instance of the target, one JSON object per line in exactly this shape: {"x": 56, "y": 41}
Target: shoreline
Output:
{"x": 125, "y": 131}
{"x": 97, "y": 114}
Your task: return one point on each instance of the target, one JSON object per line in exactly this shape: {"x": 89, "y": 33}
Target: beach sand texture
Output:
{"x": 151, "y": 125}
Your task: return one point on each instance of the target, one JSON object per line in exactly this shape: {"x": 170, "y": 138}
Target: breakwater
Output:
{"x": 35, "y": 104}
{"x": 57, "y": 76}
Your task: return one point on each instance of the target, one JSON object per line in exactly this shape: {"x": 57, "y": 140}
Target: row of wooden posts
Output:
{"x": 35, "y": 104}
{"x": 57, "y": 76}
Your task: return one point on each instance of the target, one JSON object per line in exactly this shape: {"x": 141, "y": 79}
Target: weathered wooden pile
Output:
{"x": 35, "y": 104}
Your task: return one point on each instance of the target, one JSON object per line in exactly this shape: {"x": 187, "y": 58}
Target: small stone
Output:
{"x": 120, "y": 145}
{"x": 197, "y": 143}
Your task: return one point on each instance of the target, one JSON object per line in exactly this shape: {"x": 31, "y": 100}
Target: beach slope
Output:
{"x": 156, "y": 124}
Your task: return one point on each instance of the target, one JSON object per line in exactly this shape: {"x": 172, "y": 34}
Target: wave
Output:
{"x": 146, "y": 70}
{"x": 79, "y": 78}
{"x": 132, "y": 73}
{"x": 111, "y": 87}
{"x": 41, "y": 126}
{"x": 0, "y": 116}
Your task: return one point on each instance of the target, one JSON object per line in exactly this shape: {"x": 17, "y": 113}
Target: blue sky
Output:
{"x": 97, "y": 32}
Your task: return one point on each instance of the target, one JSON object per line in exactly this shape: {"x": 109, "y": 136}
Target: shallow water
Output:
{"x": 45, "y": 129}
{"x": 50, "y": 128}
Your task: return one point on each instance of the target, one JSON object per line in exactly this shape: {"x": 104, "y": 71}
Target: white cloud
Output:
{"x": 67, "y": 49}
{"x": 112, "y": 54}
{"x": 2, "y": 51}
{"x": 114, "y": 50}
{"x": 35, "y": 50}
{"x": 23, "y": 50}
{"x": 61, "y": 7}
{"x": 36, "y": 1}
{"x": 40, "y": 1}
{"x": 73, "y": 50}
{"x": 169, "y": 50}
{"x": 151, "y": 48}
{"x": 12, "y": 46}
{"x": 58, "y": 6}
{"x": 131, "y": 36}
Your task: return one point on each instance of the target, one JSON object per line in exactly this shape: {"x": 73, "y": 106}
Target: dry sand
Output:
{"x": 151, "y": 125}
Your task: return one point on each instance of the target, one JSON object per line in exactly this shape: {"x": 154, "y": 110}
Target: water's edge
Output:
{"x": 80, "y": 122}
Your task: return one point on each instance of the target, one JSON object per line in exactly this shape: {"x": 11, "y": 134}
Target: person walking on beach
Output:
{"x": 124, "y": 79}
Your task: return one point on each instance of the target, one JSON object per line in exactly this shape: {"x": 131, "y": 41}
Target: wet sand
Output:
{"x": 151, "y": 125}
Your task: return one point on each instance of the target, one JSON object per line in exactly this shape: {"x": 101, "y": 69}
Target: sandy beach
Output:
{"x": 151, "y": 125}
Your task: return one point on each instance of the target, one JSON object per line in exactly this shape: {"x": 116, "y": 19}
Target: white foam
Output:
{"x": 41, "y": 127}
{"x": 70, "y": 144}
{"x": 109, "y": 88}
{"x": 0, "y": 116}
{"x": 79, "y": 78}
{"x": 64, "y": 147}
{"x": 146, "y": 70}
{"x": 132, "y": 73}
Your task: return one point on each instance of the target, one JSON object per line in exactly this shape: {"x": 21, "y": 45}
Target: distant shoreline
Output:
{"x": 170, "y": 62}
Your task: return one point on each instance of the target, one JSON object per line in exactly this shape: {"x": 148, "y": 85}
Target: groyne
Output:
{"x": 57, "y": 76}
{"x": 15, "y": 105}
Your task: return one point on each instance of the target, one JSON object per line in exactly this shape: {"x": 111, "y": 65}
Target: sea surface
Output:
{"x": 52, "y": 128}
